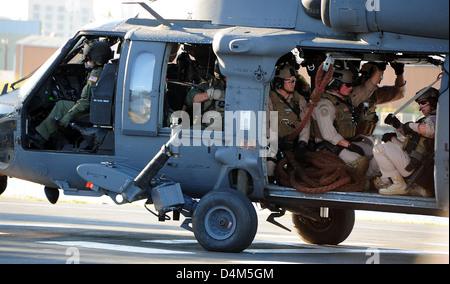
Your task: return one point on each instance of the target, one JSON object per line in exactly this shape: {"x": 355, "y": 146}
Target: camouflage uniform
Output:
{"x": 287, "y": 119}
{"x": 366, "y": 98}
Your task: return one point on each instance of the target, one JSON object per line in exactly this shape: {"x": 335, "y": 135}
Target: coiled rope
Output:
{"x": 322, "y": 171}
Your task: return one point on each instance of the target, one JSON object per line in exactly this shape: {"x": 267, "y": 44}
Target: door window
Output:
{"x": 140, "y": 87}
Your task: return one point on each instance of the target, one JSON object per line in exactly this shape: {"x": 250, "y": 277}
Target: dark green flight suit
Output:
{"x": 217, "y": 105}
{"x": 68, "y": 110}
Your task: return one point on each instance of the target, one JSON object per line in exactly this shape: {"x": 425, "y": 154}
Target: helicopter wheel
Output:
{"x": 225, "y": 221}
{"x": 52, "y": 194}
{"x": 3, "y": 184}
{"x": 328, "y": 231}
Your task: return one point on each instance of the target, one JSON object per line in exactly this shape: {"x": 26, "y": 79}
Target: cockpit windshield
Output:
{"x": 29, "y": 84}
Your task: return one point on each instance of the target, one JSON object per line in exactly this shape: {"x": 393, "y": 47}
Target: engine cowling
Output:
{"x": 411, "y": 17}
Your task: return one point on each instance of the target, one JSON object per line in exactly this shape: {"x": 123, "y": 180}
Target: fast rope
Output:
{"x": 322, "y": 171}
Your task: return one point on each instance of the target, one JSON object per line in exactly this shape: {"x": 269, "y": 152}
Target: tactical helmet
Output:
{"x": 431, "y": 95}
{"x": 339, "y": 78}
{"x": 282, "y": 72}
{"x": 285, "y": 71}
{"x": 345, "y": 76}
{"x": 97, "y": 51}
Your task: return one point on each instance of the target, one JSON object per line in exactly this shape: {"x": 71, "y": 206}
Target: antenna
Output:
{"x": 152, "y": 12}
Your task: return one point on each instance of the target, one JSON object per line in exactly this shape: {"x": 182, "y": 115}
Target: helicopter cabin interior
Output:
{"x": 145, "y": 111}
{"x": 185, "y": 65}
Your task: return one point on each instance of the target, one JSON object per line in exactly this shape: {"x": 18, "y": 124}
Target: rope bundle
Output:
{"x": 322, "y": 171}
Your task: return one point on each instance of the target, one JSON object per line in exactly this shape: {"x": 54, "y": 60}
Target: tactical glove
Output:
{"x": 399, "y": 68}
{"x": 392, "y": 120}
{"x": 407, "y": 129}
{"x": 381, "y": 66}
{"x": 300, "y": 151}
{"x": 285, "y": 145}
{"x": 388, "y": 136}
{"x": 215, "y": 94}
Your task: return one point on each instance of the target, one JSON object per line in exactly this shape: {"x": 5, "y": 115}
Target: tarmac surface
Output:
{"x": 95, "y": 230}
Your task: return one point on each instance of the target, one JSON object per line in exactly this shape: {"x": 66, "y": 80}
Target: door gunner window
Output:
{"x": 140, "y": 88}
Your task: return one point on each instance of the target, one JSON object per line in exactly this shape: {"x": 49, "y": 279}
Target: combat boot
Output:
{"x": 397, "y": 187}
{"x": 418, "y": 190}
{"x": 379, "y": 183}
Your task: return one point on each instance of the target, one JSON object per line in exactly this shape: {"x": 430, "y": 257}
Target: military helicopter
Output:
{"x": 127, "y": 147}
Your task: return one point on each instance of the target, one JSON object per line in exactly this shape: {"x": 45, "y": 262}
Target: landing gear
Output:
{"x": 325, "y": 231}
{"x": 3, "y": 184}
{"x": 52, "y": 194}
{"x": 225, "y": 221}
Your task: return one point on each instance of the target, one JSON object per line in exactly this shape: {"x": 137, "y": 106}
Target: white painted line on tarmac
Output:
{"x": 190, "y": 242}
{"x": 114, "y": 247}
{"x": 171, "y": 242}
{"x": 304, "y": 249}
{"x": 340, "y": 251}
{"x": 36, "y": 225}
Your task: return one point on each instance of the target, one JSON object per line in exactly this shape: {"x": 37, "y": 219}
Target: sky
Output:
{"x": 18, "y": 9}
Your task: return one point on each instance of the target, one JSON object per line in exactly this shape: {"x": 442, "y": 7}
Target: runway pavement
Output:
{"x": 34, "y": 231}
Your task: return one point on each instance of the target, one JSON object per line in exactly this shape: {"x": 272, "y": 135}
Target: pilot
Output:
{"x": 211, "y": 96}
{"x": 333, "y": 124}
{"x": 291, "y": 108}
{"x": 95, "y": 55}
{"x": 398, "y": 160}
{"x": 366, "y": 99}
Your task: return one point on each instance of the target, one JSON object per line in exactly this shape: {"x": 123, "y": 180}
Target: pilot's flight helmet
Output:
{"x": 97, "y": 51}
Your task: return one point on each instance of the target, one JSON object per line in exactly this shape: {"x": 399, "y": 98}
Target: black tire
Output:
{"x": 330, "y": 231}
{"x": 225, "y": 221}
{"x": 52, "y": 194}
{"x": 3, "y": 184}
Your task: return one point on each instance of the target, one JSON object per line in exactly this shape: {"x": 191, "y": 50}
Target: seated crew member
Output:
{"x": 334, "y": 126}
{"x": 211, "y": 95}
{"x": 291, "y": 108}
{"x": 397, "y": 159}
{"x": 95, "y": 55}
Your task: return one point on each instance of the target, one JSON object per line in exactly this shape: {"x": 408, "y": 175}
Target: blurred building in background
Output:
{"x": 27, "y": 48}
{"x": 10, "y": 33}
{"x": 61, "y": 18}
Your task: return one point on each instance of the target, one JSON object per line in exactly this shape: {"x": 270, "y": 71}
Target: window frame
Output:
{"x": 134, "y": 49}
